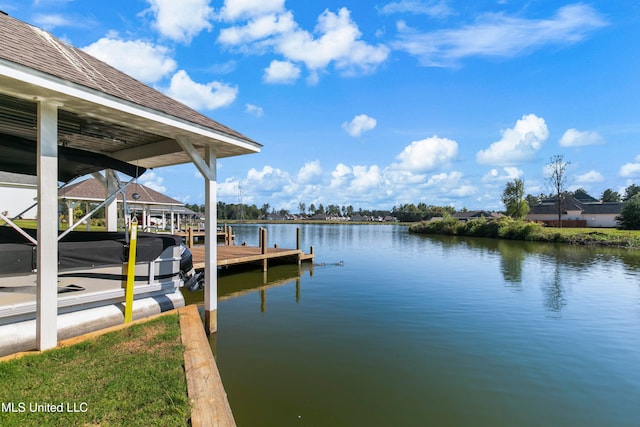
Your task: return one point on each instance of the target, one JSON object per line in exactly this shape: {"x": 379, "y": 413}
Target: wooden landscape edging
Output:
{"x": 207, "y": 397}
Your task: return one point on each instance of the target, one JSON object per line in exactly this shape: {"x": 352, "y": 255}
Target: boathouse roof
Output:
{"x": 101, "y": 108}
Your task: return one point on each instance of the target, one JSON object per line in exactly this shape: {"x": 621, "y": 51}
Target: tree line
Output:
{"x": 404, "y": 212}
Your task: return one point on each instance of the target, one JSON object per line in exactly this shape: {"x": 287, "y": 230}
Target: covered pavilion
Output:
{"x": 58, "y": 105}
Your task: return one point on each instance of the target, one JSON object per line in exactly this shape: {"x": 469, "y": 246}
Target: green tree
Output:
{"x": 513, "y": 199}
{"x": 629, "y": 218}
{"x": 630, "y": 191}
{"x": 609, "y": 195}
{"x": 264, "y": 210}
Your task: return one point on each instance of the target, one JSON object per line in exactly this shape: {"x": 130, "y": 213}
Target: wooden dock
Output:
{"x": 191, "y": 234}
{"x": 229, "y": 255}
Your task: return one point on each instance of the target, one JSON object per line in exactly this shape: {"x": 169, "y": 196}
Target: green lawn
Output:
{"x": 131, "y": 377}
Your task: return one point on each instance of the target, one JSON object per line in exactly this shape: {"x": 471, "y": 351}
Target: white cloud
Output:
{"x": 144, "y": 61}
{"x": 229, "y": 188}
{"x": 510, "y": 174}
{"x": 444, "y": 179}
{"x": 575, "y": 138}
{"x": 589, "y": 177}
{"x": 427, "y": 154}
{"x": 500, "y": 35}
{"x": 254, "y": 109}
{"x": 281, "y": 72}
{"x": 339, "y": 175}
{"x": 518, "y": 144}
{"x": 236, "y": 9}
{"x": 207, "y": 96}
{"x": 181, "y": 20}
{"x": 630, "y": 170}
{"x": 360, "y": 124}
{"x": 365, "y": 178}
{"x": 309, "y": 172}
{"x": 258, "y": 28}
{"x": 336, "y": 39}
{"x": 267, "y": 179}
{"x": 153, "y": 181}
{"x": 434, "y": 9}
{"x": 338, "y": 42}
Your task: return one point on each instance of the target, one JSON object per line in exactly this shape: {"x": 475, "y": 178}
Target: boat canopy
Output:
{"x": 18, "y": 155}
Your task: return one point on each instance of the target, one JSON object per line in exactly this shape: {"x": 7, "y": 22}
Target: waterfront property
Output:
{"x": 64, "y": 110}
{"x": 578, "y": 210}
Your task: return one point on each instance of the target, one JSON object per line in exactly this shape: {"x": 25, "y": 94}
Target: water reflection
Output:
{"x": 552, "y": 266}
{"x": 236, "y": 283}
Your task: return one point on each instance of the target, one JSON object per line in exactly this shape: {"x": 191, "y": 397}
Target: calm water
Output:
{"x": 414, "y": 330}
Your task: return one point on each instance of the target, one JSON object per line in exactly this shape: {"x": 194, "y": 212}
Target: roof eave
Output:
{"x": 27, "y": 83}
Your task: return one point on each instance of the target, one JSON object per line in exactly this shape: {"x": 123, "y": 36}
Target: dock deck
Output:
{"x": 233, "y": 255}
{"x": 229, "y": 254}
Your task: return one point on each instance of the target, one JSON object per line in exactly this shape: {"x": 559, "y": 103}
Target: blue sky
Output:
{"x": 379, "y": 103}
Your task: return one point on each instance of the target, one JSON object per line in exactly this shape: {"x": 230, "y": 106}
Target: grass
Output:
{"x": 32, "y": 223}
{"x": 131, "y": 377}
{"x": 508, "y": 228}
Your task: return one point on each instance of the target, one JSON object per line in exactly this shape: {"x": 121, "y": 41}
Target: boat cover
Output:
{"x": 80, "y": 249}
{"x": 19, "y": 155}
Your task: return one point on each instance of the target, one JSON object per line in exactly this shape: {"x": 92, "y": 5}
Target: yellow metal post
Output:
{"x": 131, "y": 271}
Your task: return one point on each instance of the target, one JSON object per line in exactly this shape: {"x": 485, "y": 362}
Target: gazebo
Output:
{"x": 150, "y": 206}
{"x": 59, "y": 103}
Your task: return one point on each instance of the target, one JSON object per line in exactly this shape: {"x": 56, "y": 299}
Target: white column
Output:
{"x": 111, "y": 210}
{"x": 70, "y": 207}
{"x": 144, "y": 217}
{"x": 210, "y": 244}
{"x": 47, "y": 262}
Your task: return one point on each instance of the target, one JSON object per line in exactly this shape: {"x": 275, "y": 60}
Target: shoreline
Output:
{"x": 510, "y": 229}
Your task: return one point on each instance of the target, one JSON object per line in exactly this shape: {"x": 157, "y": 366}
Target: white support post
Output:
{"x": 210, "y": 244}
{"x": 70, "y": 207}
{"x": 47, "y": 259}
{"x": 111, "y": 209}
{"x": 207, "y": 168}
{"x": 145, "y": 217}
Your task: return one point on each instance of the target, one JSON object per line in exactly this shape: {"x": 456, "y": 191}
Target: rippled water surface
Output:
{"x": 394, "y": 329}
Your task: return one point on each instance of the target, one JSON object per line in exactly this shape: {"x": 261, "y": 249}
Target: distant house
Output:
{"x": 467, "y": 215}
{"x": 578, "y": 210}
{"x": 18, "y": 193}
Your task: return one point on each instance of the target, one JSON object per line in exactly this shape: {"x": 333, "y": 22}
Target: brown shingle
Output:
{"x": 32, "y": 47}
{"x": 91, "y": 189}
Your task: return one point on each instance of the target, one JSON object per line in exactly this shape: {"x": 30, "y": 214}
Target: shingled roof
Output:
{"x": 102, "y": 109}
{"x": 90, "y": 189}
{"x": 35, "y": 48}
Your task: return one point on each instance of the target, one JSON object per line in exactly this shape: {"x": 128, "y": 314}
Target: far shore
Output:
{"x": 511, "y": 229}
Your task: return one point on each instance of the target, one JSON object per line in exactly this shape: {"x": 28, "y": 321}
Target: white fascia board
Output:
{"x": 39, "y": 79}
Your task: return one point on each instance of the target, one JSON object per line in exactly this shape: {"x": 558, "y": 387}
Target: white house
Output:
{"x": 579, "y": 209}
